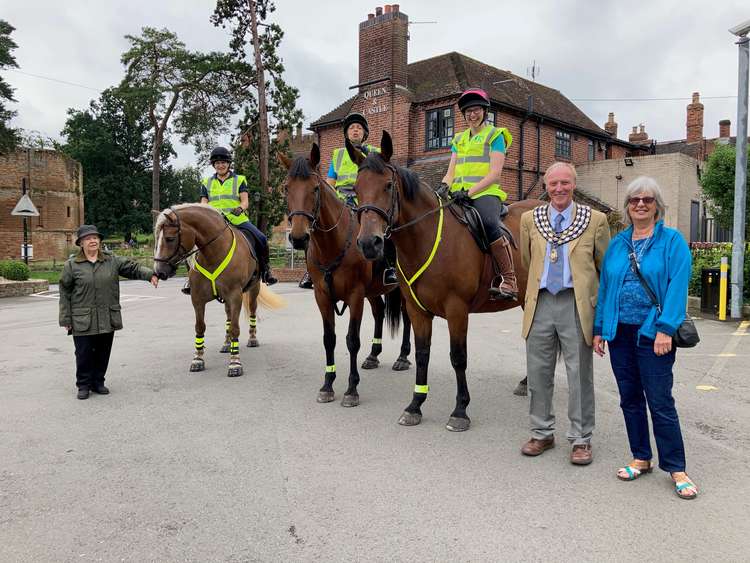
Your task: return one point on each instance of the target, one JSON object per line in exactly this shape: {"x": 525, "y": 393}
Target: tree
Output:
{"x": 717, "y": 181}
{"x": 180, "y": 186}
{"x": 195, "y": 94}
{"x": 111, "y": 140}
{"x": 276, "y": 97}
{"x": 9, "y": 137}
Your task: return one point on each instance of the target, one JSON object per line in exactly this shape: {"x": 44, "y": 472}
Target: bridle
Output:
{"x": 314, "y": 217}
{"x": 180, "y": 252}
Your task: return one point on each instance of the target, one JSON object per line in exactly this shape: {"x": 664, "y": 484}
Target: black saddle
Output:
{"x": 467, "y": 215}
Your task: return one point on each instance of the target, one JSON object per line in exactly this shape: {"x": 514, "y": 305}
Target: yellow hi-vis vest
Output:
{"x": 345, "y": 169}
{"x": 473, "y": 159}
{"x": 225, "y": 196}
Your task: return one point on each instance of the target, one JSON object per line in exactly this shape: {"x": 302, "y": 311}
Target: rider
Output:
{"x": 477, "y": 159}
{"x": 227, "y": 191}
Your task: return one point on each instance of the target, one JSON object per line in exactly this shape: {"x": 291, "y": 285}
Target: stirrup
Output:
{"x": 389, "y": 276}
{"x": 306, "y": 281}
{"x": 186, "y": 288}
{"x": 498, "y": 293}
{"x": 268, "y": 277}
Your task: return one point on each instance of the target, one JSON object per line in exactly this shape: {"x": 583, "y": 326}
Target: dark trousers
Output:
{"x": 489, "y": 208}
{"x": 645, "y": 379}
{"x": 262, "y": 242}
{"x": 92, "y": 358}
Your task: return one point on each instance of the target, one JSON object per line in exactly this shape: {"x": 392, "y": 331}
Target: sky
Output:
{"x": 605, "y": 55}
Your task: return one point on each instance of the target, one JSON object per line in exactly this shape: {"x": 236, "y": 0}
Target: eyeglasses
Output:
{"x": 476, "y": 109}
{"x": 634, "y": 201}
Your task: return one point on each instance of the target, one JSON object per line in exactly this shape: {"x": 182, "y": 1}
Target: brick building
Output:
{"x": 55, "y": 184}
{"x": 417, "y": 104}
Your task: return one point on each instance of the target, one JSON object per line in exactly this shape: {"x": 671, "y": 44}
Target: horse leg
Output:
{"x": 422, "y": 326}
{"x": 251, "y": 302}
{"x": 402, "y": 362}
{"x": 197, "y": 364}
{"x": 356, "y": 305}
{"x": 378, "y": 312}
{"x": 326, "y": 394}
{"x": 458, "y": 323}
{"x": 225, "y": 348}
{"x": 234, "y": 306}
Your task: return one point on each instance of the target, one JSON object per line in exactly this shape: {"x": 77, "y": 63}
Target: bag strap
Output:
{"x": 649, "y": 291}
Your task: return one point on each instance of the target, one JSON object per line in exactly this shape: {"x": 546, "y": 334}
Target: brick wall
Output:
{"x": 55, "y": 185}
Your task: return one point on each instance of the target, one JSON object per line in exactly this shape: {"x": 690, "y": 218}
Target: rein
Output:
{"x": 185, "y": 252}
{"x": 314, "y": 217}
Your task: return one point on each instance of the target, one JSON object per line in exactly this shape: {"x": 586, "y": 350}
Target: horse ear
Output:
{"x": 386, "y": 146}
{"x": 284, "y": 159}
{"x": 315, "y": 156}
{"x": 355, "y": 154}
{"x": 155, "y": 213}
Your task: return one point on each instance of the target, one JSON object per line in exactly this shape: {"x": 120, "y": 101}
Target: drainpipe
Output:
{"x": 538, "y": 150}
{"x": 529, "y": 110}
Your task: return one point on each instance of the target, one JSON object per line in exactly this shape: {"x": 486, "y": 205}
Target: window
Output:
{"x": 491, "y": 118}
{"x": 68, "y": 211}
{"x": 591, "y": 150}
{"x": 40, "y": 219}
{"x": 439, "y": 128}
{"x": 562, "y": 144}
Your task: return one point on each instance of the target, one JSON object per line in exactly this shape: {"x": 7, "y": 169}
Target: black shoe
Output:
{"x": 389, "y": 276}
{"x": 268, "y": 277}
{"x": 100, "y": 388}
{"x": 186, "y": 288}
{"x": 306, "y": 281}
{"x": 83, "y": 393}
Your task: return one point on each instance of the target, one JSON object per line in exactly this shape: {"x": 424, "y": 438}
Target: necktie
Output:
{"x": 555, "y": 272}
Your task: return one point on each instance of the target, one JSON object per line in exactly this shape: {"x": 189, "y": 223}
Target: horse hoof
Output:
{"x": 456, "y": 424}
{"x": 371, "y": 362}
{"x": 252, "y": 343}
{"x": 325, "y": 396}
{"x": 350, "y": 401}
{"x": 197, "y": 365}
{"x": 410, "y": 419}
{"x": 224, "y": 349}
{"x": 401, "y": 364}
{"x": 234, "y": 371}
{"x": 521, "y": 389}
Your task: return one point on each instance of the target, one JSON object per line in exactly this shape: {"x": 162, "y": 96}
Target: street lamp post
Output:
{"x": 740, "y": 173}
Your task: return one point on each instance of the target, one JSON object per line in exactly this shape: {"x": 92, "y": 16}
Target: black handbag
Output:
{"x": 686, "y": 335}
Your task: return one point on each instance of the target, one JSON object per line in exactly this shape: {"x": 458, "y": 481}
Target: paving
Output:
{"x": 179, "y": 466}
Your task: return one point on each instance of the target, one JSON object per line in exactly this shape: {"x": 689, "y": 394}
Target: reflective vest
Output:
{"x": 473, "y": 159}
{"x": 345, "y": 169}
{"x": 225, "y": 196}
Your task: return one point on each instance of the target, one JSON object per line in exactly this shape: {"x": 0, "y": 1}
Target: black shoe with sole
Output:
{"x": 389, "y": 276}
{"x": 101, "y": 389}
{"x": 83, "y": 393}
{"x": 306, "y": 281}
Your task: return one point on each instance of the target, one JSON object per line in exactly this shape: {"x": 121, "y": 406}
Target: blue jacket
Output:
{"x": 666, "y": 266}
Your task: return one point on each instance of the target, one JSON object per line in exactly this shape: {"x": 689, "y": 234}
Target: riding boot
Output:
{"x": 186, "y": 288}
{"x": 306, "y": 281}
{"x": 265, "y": 266}
{"x": 389, "y": 272}
{"x": 508, "y": 288}
{"x": 267, "y": 274}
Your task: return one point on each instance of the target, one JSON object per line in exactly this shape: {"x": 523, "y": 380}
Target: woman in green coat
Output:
{"x": 90, "y": 305}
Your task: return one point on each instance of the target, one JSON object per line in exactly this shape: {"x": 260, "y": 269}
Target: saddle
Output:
{"x": 252, "y": 243}
{"x": 467, "y": 215}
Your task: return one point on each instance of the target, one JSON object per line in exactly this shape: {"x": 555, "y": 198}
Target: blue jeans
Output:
{"x": 646, "y": 379}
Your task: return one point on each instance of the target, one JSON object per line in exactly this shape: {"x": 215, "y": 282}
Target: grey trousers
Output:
{"x": 556, "y": 328}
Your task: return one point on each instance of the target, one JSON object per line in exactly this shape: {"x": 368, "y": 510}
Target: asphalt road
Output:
{"x": 179, "y": 466}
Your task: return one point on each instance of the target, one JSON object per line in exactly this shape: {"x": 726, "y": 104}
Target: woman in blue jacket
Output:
{"x": 640, "y": 335}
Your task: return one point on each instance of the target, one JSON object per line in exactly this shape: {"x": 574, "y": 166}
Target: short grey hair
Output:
{"x": 566, "y": 165}
{"x": 647, "y": 186}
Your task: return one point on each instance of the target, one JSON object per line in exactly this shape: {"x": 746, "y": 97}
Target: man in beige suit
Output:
{"x": 562, "y": 245}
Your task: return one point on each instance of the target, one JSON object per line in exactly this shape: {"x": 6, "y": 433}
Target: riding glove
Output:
{"x": 238, "y": 211}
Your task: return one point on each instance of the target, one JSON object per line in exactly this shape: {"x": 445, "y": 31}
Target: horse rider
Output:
{"x": 477, "y": 158}
{"x": 227, "y": 191}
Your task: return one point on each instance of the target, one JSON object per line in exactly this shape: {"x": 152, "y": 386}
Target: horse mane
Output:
{"x": 163, "y": 218}
{"x": 300, "y": 168}
{"x": 409, "y": 179}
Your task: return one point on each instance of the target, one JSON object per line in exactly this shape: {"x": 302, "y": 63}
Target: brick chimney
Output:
{"x": 383, "y": 40}
{"x": 695, "y": 120}
{"x": 724, "y": 125}
{"x": 638, "y": 137}
{"x": 611, "y": 126}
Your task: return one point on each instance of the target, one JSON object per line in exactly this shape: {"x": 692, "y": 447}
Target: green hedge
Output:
{"x": 14, "y": 270}
{"x": 707, "y": 255}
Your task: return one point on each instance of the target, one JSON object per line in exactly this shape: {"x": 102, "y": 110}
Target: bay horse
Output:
{"x": 441, "y": 269}
{"x": 326, "y": 227}
{"x": 231, "y": 273}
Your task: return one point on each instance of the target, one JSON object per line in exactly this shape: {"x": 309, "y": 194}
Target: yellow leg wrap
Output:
{"x": 331, "y": 369}
{"x": 377, "y": 340}
{"x": 421, "y": 389}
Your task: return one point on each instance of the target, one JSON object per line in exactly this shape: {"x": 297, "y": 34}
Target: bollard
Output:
{"x": 723, "y": 289}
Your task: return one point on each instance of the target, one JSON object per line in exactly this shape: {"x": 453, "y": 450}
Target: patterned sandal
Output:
{"x": 631, "y": 472}
{"x": 685, "y": 489}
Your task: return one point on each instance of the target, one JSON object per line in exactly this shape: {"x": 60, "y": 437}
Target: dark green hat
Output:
{"x": 86, "y": 230}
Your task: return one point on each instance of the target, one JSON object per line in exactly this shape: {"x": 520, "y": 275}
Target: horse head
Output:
{"x": 302, "y": 195}
{"x": 377, "y": 187}
{"x": 172, "y": 241}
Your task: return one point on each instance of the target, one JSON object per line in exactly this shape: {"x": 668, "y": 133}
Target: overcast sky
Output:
{"x": 610, "y": 50}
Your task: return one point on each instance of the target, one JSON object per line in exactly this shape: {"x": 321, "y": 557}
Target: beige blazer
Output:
{"x": 585, "y": 255}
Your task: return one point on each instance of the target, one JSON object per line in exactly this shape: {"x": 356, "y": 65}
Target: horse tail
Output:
{"x": 268, "y": 298}
{"x": 393, "y": 310}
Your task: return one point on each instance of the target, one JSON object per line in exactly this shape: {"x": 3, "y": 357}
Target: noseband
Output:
{"x": 180, "y": 252}
{"x": 387, "y": 216}
{"x": 314, "y": 217}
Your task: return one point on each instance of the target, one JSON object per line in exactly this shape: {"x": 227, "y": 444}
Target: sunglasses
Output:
{"x": 648, "y": 200}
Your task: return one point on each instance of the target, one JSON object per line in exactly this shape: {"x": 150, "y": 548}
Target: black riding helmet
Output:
{"x": 220, "y": 154}
{"x": 473, "y": 97}
{"x": 356, "y": 117}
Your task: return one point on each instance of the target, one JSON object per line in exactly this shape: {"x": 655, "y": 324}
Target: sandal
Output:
{"x": 631, "y": 472}
{"x": 685, "y": 489}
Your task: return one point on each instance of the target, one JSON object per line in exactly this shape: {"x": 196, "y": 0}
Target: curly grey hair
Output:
{"x": 644, "y": 185}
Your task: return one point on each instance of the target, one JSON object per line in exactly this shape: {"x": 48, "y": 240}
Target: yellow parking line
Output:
{"x": 711, "y": 378}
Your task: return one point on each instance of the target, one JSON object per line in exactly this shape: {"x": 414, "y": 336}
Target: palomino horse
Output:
{"x": 230, "y": 272}
{"x": 326, "y": 227}
{"x": 441, "y": 269}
